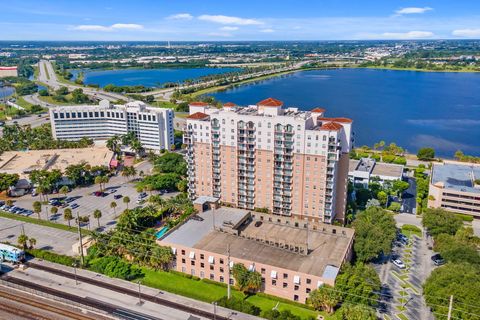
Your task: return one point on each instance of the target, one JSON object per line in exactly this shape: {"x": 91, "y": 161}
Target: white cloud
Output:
{"x": 113, "y": 27}
{"x": 228, "y": 28}
{"x": 268, "y": 30}
{"x": 127, "y": 26}
{"x": 467, "y": 33}
{"x": 180, "y": 16}
{"x": 408, "y": 35}
{"x": 413, "y": 10}
{"x": 229, "y": 20}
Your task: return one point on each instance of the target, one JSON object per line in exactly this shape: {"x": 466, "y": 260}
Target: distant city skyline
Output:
{"x": 191, "y": 20}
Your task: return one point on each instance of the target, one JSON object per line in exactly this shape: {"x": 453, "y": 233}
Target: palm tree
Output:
{"x": 22, "y": 241}
{"x": 113, "y": 205}
{"x": 64, "y": 190}
{"x": 97, "y": 214}
{"x": 67, "y": 215}
{"x": 32, "y": 242}
{"x": 99, "y": 180}
{"x": 37, "y": 208}
{"x": 126, "y": 200}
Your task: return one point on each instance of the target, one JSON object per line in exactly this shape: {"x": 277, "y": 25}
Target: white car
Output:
{"x": 398, "y": 263}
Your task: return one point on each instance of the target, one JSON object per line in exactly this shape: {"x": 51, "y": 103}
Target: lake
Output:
{"x": 413, "y": 109}
{"x": 146, "y": 77}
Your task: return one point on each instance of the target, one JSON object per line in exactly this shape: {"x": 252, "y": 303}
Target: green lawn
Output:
{"x": 208, "y": 292}
{"x": 41, "y": 222}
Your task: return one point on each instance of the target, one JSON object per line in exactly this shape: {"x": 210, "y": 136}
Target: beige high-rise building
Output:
{"x": 291, "y": 162}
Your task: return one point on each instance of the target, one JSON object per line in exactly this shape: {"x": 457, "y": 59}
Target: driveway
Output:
{"x": 409, "y": 196}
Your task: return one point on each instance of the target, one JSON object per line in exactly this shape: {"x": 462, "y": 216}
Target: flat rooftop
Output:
{"x": 325, "y": 248}
{"x": 22, "y": 162}
{"x": 193, "y": 231}
{"x": 459, "y": 177}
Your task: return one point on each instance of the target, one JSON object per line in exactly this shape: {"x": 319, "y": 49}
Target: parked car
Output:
{"x": 398, "y": 263}
{"x": 438, "y": 259}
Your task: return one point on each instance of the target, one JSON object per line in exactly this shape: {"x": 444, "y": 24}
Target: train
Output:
{"x": 11, "y": 254}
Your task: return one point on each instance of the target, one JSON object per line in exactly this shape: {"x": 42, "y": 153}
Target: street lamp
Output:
{"x": 140, "y": 302}
{"x": 214, "y": 310}
{"x": 74, "y": 265}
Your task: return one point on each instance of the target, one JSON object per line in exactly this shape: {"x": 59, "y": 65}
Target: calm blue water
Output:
{"x": 412, "y": 109}
{"x": 6, "y": 92}
{"x": 147, "y": 77}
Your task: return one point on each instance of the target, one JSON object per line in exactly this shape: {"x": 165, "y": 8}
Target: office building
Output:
{"x": 265, "y": 156}
{"x": 455, "y": 187}
{"x": 152, "y": 126}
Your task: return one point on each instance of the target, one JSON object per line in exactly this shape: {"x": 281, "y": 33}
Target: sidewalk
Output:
{"x": 122, "y": 300}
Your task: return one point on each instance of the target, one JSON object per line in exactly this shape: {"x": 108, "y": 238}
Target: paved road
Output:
{"x": 48, "y": 76}
{"x": 59, "y": 241}
{"x": 409, "y": 197}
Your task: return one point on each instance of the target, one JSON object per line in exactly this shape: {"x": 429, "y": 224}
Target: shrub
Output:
{"x": 51, "y": 256}
{"x": 239, "y": 305}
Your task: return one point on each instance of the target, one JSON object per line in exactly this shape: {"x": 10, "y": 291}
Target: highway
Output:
{"x": 48, "y": 76}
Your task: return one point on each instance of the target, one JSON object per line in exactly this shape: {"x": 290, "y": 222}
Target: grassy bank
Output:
{"x": 208, "y": 291}
{"x": 40, "y": 222}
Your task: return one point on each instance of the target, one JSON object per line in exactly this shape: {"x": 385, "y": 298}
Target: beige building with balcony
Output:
{"x": 454, "y": 187}
{"x": 291, "y": 162}
{"x": 293, "y": 256}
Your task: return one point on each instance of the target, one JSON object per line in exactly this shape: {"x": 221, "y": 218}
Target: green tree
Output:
{"x": 359, "y": 284}
{"x": 7, "y": 180}
{"x": 113, "y": 205}
{"x": 438, "y": 221}
{"x": 350, "y": 311}
{"x": 460, "y": 280}
{"x": 426, "y": 154}
{"x": 126, "y": 200}
{"x": 97, "y": 214}
{"x": 325, "y": 298}
{"x": 22, "y": 241}
{"x": 375, "y": 231}
{"x": 37, "y": 208}
{"x": 32, "y": 242}
{"x": 67, "y": 215}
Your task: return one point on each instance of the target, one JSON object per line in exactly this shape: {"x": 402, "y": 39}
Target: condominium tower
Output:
{"x": 265, "y": 156}
{"x": 152, "y": 126}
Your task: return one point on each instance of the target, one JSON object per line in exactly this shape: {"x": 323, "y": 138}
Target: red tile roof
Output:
{"x": 318, "y": 110}
{"x": 198, "y": 104}
{"x": 198, "y": 116}
{"x": 331, "y": 126}
{"x": 270, "y": 102}
{"x": 342, "y": 120}
{"x": 229, "y": 104}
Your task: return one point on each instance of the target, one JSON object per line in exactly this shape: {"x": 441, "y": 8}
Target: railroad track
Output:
{"x": 70, "y": 314}
{"x": 133, "y": 293}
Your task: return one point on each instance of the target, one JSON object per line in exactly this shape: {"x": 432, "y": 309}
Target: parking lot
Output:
{"x": 402, "y": 282}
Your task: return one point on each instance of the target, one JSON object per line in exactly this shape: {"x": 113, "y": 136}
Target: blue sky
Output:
{"x": 239, "y": 20}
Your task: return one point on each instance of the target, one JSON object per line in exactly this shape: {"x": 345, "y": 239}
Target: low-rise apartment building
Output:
{"x": 293, "y": 256}
{"x": 455, "y": 187}
{"x": 290, "y": 162}
{"x": 152, "y": 126}
{"x": 362, "y": 171}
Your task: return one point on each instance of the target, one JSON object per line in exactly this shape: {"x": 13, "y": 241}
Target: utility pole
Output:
{"x": 80, "y": 240}
{"x": 228, "y": 271}
{"x": 450, "y": 307}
